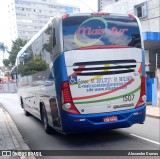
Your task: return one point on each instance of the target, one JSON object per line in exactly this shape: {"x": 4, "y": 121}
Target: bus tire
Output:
{"x": 21, "y": 102}
{"x": 22, "y": 105}
{"x": 46, "y": 126}
{"x": 26, "y": 113}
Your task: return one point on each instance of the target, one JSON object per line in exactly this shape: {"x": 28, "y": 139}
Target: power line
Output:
{"x": 86, "y": 5}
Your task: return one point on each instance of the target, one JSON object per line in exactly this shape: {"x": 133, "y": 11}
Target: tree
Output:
{"x": 3, "y": 48}
{"x": 6, "y": 62}
{"x": 16, "y": 47}
{"x": 7, "y": 74}
{"x": 33, "y": 66}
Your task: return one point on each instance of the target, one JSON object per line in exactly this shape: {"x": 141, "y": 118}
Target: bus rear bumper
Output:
{"x": 95, "y": 122}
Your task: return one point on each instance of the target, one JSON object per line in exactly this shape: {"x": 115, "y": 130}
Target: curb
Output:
{"x": 17, "y": 139}
{"x": 152, "y": 116}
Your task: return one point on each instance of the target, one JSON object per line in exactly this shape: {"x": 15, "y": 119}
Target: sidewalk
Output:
{"x": 10, "y": 137}
{"x": 153, "y": 111}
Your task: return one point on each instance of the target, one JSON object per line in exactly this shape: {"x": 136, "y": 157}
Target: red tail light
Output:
{"x": 65, "y": 16}
{"x": 131, "y": 16}
{"x": 67, "y": 102}
{"x": 142, "y": 99}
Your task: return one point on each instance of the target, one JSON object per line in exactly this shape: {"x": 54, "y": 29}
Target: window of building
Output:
{"x": 22, "y": 2}
{"x": 50, "y": 6}
{"x": 141, "y": 10}
{"x": 28, "y": 9}
{"x": 158, "y": 60}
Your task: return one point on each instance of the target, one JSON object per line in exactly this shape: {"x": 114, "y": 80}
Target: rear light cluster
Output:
{"x": 142, "y": 99}
{"x": 131, "y": 16}
{"x": 65, "y": 16}
{"x": 67, "y": 102}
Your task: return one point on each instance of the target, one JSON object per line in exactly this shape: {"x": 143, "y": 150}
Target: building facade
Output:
{"x": 103, "y": 3}
{"x": 148, "y": 12}
{"x": 12, "y": 20}
{"x": 28, "y": 16}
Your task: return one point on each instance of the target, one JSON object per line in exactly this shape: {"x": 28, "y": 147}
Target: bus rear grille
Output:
{"x": 114, "y": 67}
{"x": 104, "y": 73}
{"x": 103, "y": 68}
{"x": 104, "y": 62}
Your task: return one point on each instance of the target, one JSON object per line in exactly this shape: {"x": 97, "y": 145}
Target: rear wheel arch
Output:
{"x": 41, "y": 109}
{"x": 44, "y": 118}
{"x": 21, "y": 102}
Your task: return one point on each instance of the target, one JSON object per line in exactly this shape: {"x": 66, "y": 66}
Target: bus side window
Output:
{"x": 54, "y": 37}
{"x": 51, "y": 77}
{"x": 14, "y": 72}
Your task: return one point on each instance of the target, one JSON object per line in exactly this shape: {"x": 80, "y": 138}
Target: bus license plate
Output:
{"x": 110, "y": 119}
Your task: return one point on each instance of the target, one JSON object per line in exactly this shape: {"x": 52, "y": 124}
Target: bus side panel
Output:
{"x": 60, "y": 74}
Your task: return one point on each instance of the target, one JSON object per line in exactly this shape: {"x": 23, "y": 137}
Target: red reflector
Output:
{"x": 77, "y": 120}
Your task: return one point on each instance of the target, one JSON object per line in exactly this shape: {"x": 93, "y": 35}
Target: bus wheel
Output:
{"x": 26, "y": 113}
{"x": 47, "y": 128}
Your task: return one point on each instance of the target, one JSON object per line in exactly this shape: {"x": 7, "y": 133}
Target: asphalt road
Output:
{"x": 138, "y": 137}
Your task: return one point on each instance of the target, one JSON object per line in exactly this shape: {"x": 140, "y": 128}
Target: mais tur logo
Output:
{"x": 93, "y": 28}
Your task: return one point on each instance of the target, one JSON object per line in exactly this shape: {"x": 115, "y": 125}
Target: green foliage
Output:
{"x": 16, "y": 47}
{"x": 6, "y": 62}
{"x": 48, "y": 46}
{"x": 3, "y": 48}
{"x": 7, "y": 74}
{"x": 32, "y": 67}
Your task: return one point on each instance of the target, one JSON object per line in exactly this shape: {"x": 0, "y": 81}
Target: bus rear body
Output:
{"x": 99, "y": 74}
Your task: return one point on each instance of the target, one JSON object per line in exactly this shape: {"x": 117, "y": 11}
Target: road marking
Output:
{"x": 145, "y": 139}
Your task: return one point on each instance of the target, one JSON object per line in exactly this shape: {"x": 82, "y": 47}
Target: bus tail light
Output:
{"x": 131, "y": 16}
{"x": 67, "y": 102}
{"x": 65, "y": 16}
{"x": 142, "y": 99}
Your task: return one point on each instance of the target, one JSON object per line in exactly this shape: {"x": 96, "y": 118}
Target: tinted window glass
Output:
{"x": 84, "y": 31}
{"x": 35, "y": 63}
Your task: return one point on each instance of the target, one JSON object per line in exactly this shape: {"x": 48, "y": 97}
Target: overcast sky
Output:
{"x": 85, "y": 6}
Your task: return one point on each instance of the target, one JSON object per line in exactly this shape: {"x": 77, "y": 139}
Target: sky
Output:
{"x": 85, "y": 6}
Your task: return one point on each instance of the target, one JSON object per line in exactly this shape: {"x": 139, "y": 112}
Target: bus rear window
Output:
{"x": 84, "y": 31}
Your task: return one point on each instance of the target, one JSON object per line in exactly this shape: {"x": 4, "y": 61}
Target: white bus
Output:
{"x": 84, "y": 72}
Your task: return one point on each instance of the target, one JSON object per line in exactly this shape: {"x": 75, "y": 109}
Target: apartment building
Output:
{"x": 148, "y": 12}
{"x": 103, "y": 3}
{"x": 28, "y": 16}
{"x": 12, "y": 20}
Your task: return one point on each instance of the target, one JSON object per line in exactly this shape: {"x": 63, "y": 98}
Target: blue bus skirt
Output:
{"x": 72, "y": 123}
